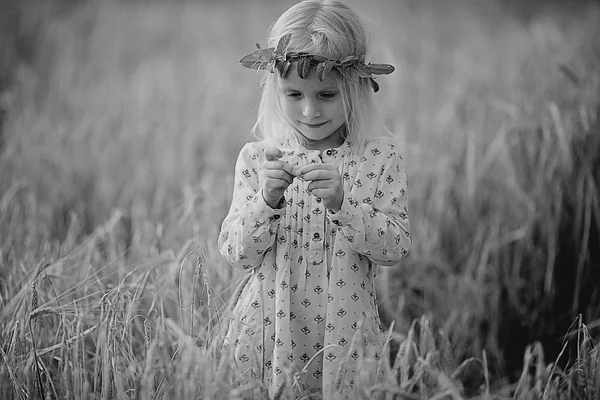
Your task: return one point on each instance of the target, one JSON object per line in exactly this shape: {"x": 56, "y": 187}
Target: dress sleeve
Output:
{"x": 249, "y": 229}
{"x": 377, "y": 225}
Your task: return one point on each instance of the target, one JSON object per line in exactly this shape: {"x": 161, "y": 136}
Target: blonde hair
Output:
{"x": 333, "y": 30}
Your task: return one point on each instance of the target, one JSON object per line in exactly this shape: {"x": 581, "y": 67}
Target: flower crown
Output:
{"x": 280, "y": 59}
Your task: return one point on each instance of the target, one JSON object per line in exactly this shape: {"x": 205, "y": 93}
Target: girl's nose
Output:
{"x": 310, "y": 109}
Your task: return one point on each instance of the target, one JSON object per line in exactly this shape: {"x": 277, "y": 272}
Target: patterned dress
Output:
{"x": 310, "y": 304}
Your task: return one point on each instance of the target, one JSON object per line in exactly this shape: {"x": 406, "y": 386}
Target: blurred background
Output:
{"x": 121, "y": 122}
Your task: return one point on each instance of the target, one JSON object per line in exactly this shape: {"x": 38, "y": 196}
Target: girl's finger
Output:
{"x": 318, "y": 175}
{"x": 321, "y": 193}
{"x": 316, "y": 166}
{"x": 276, "y": 184}
{"x": 281, "y": 165}
{"x": 278, "y": 174}
{"x": 272, "y": 154}
{"x": 319, "y": 185}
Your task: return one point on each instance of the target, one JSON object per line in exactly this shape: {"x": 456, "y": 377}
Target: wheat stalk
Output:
{"x": 13, "y": 377}
{"x": 73, "y": 339}
{"x": 207, "y": 285}
{"x": 38, "y": 373}
{"x": 179, "y": 290}
{"x": 147, "y": 332}
{"x": 13, "y": 340}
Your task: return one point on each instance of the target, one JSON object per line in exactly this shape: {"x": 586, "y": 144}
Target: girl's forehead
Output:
{"x": 310, "y": 83}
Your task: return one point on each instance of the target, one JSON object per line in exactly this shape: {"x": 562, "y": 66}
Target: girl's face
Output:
{"x": 313, "y": 107}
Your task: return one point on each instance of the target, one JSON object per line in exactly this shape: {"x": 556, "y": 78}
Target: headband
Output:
{"x": 279, "y": 59}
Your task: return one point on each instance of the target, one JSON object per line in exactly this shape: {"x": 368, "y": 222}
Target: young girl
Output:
{"x": 317, "y": 204}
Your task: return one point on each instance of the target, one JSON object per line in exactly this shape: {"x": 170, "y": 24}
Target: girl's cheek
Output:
{"x": 287, "y": 108}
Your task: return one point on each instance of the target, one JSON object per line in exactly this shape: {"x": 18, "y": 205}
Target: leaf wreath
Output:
{"x": 280, "y": 59}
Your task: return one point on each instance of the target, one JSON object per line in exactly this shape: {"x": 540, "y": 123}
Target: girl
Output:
{"x": 317, "y": 204}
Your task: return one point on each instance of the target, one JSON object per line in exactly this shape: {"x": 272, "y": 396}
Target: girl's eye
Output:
{"x": 328, "y": 95}
{"x": 294, "y": 95}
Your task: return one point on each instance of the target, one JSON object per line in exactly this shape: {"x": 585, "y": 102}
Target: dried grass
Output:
{"x": 116, "y": 172}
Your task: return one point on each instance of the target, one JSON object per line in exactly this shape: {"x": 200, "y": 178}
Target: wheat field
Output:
{"x": 122, "y": 123}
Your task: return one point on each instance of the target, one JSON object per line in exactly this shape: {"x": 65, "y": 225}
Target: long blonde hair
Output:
{"x": 333, "y": 30}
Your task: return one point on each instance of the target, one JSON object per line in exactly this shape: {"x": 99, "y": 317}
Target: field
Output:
{"x": 121, "y": 124}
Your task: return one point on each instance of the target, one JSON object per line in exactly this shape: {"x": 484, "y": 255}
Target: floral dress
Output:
{"x": 309, "y": 304}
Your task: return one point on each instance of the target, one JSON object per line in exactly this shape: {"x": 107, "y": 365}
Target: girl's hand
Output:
{"x": 326, "y": 183}
{"x": 276, "y": 176}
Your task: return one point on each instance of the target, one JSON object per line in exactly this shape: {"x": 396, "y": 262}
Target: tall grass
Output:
{"x": 116, "y": 171}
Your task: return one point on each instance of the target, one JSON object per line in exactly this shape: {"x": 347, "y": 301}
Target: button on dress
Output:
{"x": 309, "y": 306}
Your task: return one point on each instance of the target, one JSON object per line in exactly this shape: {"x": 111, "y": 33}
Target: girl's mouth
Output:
{"x": 313, "y": 126}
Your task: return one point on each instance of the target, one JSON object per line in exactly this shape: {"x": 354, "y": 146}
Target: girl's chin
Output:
{"x": 315, "y": 138}
{"x": 317, "y": 134}
{"x": 321, "y": 143}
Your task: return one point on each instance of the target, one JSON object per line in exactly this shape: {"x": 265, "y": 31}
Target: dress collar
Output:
{"x": 292, "y": 148}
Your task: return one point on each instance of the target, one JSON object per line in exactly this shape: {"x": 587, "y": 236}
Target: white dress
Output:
{"x": 311, "y": 294}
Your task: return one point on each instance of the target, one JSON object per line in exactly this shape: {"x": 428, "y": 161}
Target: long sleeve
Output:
{"x": 375, "y": 223}
{"x": 249, "y": 229}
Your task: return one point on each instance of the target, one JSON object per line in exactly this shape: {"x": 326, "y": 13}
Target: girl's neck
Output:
{"x": 334, "y": 140}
